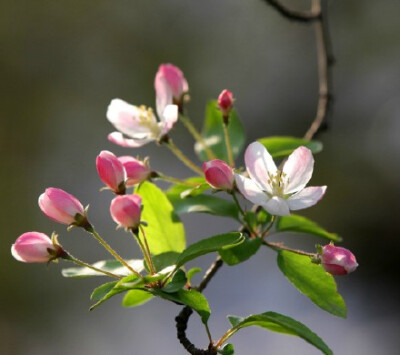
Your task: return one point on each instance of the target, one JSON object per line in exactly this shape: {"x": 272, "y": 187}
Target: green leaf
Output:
{"x": 99, "y": 292}
{"x": 192, "y": 272}
{"x": 280, "y": 147}
{"x": 135, "y": 298}
{"x": 213, "y": 133}
{"x": 165, "y": 231}
{"x": 161, "y": 261}
{"x": 191, "y": 298}
{"x": 242, "y": 252}
{"x": 282, "y": 324}
{"x": 177, "y": 283}
{"x": 112, "y": 266}
{"x": 227, "y": 350}
{"x": 312, "y": 280}
{"x": 300, "y": 224}
{"x": 209, "y": 245}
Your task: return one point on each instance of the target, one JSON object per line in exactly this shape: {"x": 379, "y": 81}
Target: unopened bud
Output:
{"x": 225, "y": 103}
{"x": 338, "y": 260}
{"x": 219, "y": 174}
{"x": 136, "y": 170}
{"x": 125, "y": 210}
{"x": 111, "y": 171}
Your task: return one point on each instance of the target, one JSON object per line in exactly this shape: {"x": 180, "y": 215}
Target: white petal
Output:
{"x": 277, "y": 206}
{"x": 260, "y": 165}
{"x": 298, "y": 169}
{"x": 163, "y": 96}
{"x": 306, "y": 198}
{"x": 168, "y": 118}
{"x": 125, "y": 118}
{"x": 250, "y": 190}
{"x": 118, "y": 138}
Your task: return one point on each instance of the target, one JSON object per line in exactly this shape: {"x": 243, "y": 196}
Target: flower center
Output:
{"x": 277, "y": 183}
{"x": 146, "y": 118}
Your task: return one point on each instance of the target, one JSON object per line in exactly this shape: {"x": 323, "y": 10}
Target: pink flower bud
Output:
{"x": 60, "y": 206}
{"x": 225, "y": 102}
{"x": 136, "y": 170}
{"x": 34, "y": 247}
{"x": 125, "y": 210}
{"x": 338, "y": 260}
{"x": 219, "y": 174}
{"x": 170, "y": 78}
{"x": 111, "y": 171}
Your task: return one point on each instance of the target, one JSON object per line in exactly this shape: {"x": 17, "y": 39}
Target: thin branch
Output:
{"x": 294, "y": 15}
{"x": 325, "y": 61}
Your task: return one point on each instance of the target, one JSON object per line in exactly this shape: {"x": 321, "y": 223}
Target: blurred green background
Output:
{"x": 61, "y": 63}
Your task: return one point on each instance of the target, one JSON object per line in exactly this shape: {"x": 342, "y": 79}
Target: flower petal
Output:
{"x": 260, "y": 165}
{"x": 277, "y": 206}
{"x": 250, "y": 190}
{"x": 298, "y": 169}
{"x": 168, "y": 118}
{"x": 306, "y": 198}
{"x": 118, "y": 138}
{"x": 163, "y": 95}
{"x": 126, "y": 119}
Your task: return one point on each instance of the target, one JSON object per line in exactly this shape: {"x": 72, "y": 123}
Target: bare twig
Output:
{"x": 294, "y": 15}
{"x": 325, "y": 62}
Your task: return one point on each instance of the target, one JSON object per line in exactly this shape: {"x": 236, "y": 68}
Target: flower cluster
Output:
{"x": 273, "y": 193}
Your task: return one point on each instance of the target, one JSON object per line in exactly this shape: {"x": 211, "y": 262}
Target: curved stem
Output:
{"x": 92, "y": 231}
{"x": 228, "y": 145}
{"x": 146, "y": 245}
{"x": 300, "y": 16}
{"x": 173, "y": 180}
{"x": 197, "y": 136}
{"x": 182, "y": 157}
{"x": 237, "y": 203}
{"x": 76, "y": 261}
{"x": 281, "y": 246}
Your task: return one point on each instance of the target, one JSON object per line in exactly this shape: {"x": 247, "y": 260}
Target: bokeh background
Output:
{"x": 61, "y": 62}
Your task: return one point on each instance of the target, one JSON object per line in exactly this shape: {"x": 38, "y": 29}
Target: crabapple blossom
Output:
{"x": 140, "y": 123}
{"x": 34, "y": 247}
{"x": 279, "y": 192}
{"x": 125, "y": 210}
{"x": 136, "y": 170}
{"x": 338, "y": 260}
{"x": 219, "y": 174}
{"x": 111, "y": 171}
{"x": 225, "y": 102}
{"x": 60, "y": 206}
{"x": 170, "y": 82}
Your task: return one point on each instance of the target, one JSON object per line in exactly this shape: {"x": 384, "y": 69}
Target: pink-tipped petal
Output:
{"x": 298, "y": 170}
{"x": 306, "y": 198}
{"x": 250, "y": 190}
{"x": 163, "y": 95}
{"x": 119, "y": 139}
{"x": 338, "y": 260}
{"x": 277, "y": 206}
{"x": 136, "y": 170}
{"x": 125, "y": 210}
{"x": 60, "y": 206}
{"x": 219, "y": 174}
{"x": 111, "y": 170}
{"x": 32, "y": 247}
{"x": 260, "y": 165}
{"x": 174, "y": 78}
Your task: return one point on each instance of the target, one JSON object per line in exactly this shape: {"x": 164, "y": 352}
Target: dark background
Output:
{"x": 61, "y": 63}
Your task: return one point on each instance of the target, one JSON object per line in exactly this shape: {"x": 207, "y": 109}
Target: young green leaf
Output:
{"x": 226, "y": 350}
{"x": 280, "y": 147}
{"x": 279, "y": 323}
{"x": 213, "y": 133}
{"x": 191, "y": 298}
{"x": 177, "y": 283}
{"x": 193, "y": 271}
{"x": 164, "y": 231}
{"x": 134, "y": 298}
{"x": 161, "y": 261}
{"x": 209, "y": 245}
{"x": 312, "y": 280}
{"x": 99, "y": 292}
{"x": 299, "y": 224}
{"x": 113, "y": 266}
{"x": 241, "y": 252}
